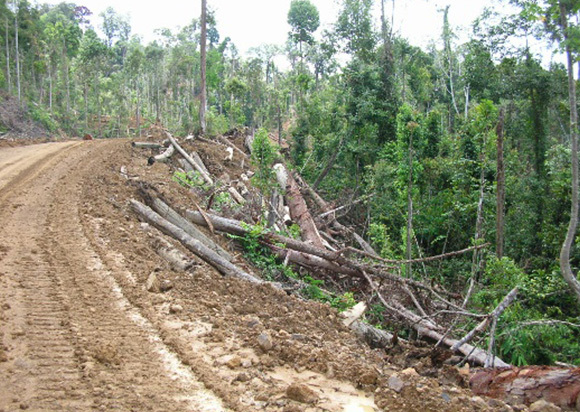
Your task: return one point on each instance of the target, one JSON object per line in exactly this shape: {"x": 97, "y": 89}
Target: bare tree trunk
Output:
{"x": 8, "y": 76}
{"x": 298, "y": 208}
{"x": 499, "y": 237}
{"x": 408, "y": 256}
{"x": 567, "y": 273}
{"x": 18, "y": 85}
{"x": 202, "y": 95}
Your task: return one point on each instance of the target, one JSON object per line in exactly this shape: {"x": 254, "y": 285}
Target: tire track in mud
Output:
{"x": 70, "y": 339}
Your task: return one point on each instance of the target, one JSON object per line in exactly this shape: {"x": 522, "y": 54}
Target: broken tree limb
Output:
{"x": 190, "y": 160}
{"x": 526, "y": 385}
{"x": 175, "y": 218}
{"x": 222, "y": 265}
{"x": 298, "y": 208}
{"x": 507, "y": 300}
{"x": 366, "y": 247}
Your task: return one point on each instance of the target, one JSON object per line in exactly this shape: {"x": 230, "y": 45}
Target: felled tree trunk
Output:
{"x": 163, "y": 157}
{"x": 249, "y": 142}
{"x": 298, "y": 208}
{"x": 172, "y": 216}
{"x": 222, "y": 265}
{"x": 529, "y": 384}
{"x": 176, "y": 259}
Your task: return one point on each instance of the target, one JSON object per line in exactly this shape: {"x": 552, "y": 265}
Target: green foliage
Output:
{"x": 190, "y": 180}
{"x": 262, "y": 257}
{"x": 304, "y": 19}
{"x": 343, "y": 302}
{"x": 263, "y": 156}
{"x": 42, "y": 116}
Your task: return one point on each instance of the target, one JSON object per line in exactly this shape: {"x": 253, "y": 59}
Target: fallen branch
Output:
{"x": 425, "y": 328}
{"x": 426, "y": 259}
{"x": 222, "y": 265}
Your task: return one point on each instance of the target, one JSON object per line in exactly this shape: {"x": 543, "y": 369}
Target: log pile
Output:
{"x": 411, "y": 303}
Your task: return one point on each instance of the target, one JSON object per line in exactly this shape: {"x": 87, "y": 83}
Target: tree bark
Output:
{"x": 176, "y": 259}
{"x": 298, "y": 208}
{"x": 203, "y": 56}
{"x": 222, "y": 265}
{"x": 567, "y": 273}
{"x": 529, "y": 384}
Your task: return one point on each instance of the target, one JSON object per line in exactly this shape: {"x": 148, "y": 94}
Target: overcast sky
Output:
{"x": 250, "y": 23}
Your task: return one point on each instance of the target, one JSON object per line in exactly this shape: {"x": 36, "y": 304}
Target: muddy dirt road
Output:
{"x": 69, "y": 338}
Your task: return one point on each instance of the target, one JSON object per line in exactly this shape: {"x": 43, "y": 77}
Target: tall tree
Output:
{"x": 569, "y": 276}
{"x": 304, "y": 19}
{"x": 203, "y": 56}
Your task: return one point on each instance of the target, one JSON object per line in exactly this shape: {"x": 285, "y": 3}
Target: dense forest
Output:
{"x": 432, "y": 150}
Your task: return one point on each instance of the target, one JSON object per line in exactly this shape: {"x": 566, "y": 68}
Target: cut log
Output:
{"x": 146, "y": 145}
{"x": 177, "y": 260}
{"x": 560, "y": 386}
{"x": 363, "y": 243}
{"x": 236, "y": 195}
{"x": 298, "y": 208}
{"x": 222, "y": 265}
{"x": 172, "y": 216}
{"x": 163, "y": 157}
{"x": 190, "y": 160}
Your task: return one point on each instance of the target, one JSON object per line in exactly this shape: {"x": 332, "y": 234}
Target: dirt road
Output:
{"x": 69, "y": 339}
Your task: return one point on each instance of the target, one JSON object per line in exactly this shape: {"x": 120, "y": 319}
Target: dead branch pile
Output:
{"x": 415, "y": 304}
